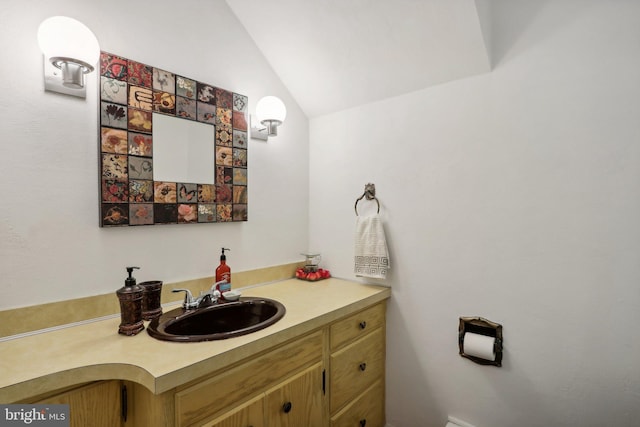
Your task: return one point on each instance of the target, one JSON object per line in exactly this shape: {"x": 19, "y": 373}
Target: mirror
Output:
{"x": 183, "y": 150}
{"x": 172, "y": 150}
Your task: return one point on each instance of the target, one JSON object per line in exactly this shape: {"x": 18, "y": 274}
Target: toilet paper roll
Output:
{"x": 479, "y": 346}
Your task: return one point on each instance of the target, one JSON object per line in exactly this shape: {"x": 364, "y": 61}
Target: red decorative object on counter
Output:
{"x": 312, "y": 276}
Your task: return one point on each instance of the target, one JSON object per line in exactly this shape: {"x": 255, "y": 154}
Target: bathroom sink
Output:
{"x": 218, "y": 321}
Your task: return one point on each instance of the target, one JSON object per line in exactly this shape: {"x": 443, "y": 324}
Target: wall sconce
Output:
{"x": 270, "y": 113}
{"x": 70, "y": 51}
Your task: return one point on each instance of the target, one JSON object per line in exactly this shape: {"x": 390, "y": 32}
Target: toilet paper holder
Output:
{"x": 481, "y": 326}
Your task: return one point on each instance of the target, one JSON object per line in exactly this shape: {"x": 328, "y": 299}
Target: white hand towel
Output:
{"x": 371, "y": 254}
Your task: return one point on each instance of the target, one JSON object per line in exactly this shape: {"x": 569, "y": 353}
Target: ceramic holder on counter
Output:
{"x": 151, "y": 292}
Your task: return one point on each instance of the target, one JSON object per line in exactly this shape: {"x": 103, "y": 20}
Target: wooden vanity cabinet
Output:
{"x": 333, "y": 376}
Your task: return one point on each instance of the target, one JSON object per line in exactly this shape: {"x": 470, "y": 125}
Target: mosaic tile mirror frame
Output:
{"x": 131, "y": 94}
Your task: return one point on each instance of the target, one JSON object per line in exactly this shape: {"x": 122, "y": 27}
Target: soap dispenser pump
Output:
{"x": 130, "y": 296}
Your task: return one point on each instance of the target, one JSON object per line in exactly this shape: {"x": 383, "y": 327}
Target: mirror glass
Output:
{"x": 183, "y": 150}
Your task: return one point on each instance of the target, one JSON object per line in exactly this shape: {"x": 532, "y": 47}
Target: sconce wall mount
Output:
{"x": 70, "y": 51}
{"x": 270, "y": 113}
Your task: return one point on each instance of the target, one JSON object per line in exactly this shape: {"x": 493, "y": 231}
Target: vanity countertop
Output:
{"x": 50, "y": 361}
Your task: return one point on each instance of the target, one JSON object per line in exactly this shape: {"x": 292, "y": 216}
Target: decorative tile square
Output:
{"x": 113, "y": 66}
{"x": 224, "y": 193}
{"x": 239, "y": 194}
{"x": 224, "y": 156}
{"x": 114, "y": 166}
{"x": 186, "y": 87}
{"x": 224, "y": 135}
{"x": 140, "y": 168}
{"x": 240, "y": 212}
{"x": 112, "y": 90}
{"x": 224, "y": 212}
{"x": 164, "y": 102}
{"x": 206, "y": 193}
{"x": 185, "y": 108}
{"x": 115, "y": 214}
{"x": 187, "y": 213}
{"x": 140, "y": 98}
{"x": 115, "y": 190}
{"x": 223, "y": 116}
{"x": 239, "y": 139}
{"x": 113, "y": 115}
{"x": 187, "y": 193}
{"x": 224, "y": 98}
{"x": 240, "y": 157}
{"x": 240, "y": 102}
{"x": 140, "y": 144}
{"x": 140, "y": 74}
{"x": 206, "y": 93}
{"x": 164, "y": 192}
{"x": 141, "y": 213}
{"x": 239, "y": 176}
{"x": 239, "y": 120}
{"x": 113, "y": 141}
{"x": 140, "y": 120}
{"x": 140, "y": 191}
{"x": 224, "y": 175}
{"x": 206, "y": 213}
{"x": 164, "y": 81}
{"x": 206, "y": 113}
{"x": 165, "y": 213}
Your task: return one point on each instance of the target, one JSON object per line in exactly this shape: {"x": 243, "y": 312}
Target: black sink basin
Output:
{"x": 218, "y": 321}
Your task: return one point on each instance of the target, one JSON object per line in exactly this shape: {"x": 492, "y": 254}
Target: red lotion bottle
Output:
{"x": 223, "y": 272}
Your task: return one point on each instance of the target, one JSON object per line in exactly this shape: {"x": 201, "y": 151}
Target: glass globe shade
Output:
{"x": 271, "y": 108}
{"x": 61, "y": 36}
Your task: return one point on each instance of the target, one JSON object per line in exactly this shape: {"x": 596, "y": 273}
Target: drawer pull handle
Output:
{"x": 363, "y": 324}
{"x": 363, "y": 366}
{"x": 363, "y": 423}
{"x": 287, "y": 407}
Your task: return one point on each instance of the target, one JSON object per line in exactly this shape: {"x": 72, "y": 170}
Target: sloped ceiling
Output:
{"x": 337, "y": 54}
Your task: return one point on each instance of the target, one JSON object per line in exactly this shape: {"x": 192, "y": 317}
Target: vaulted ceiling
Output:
{"x": 337, "y": 54}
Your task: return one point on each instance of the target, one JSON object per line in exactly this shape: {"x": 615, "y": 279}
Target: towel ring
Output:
{"x": 369, "y": 194}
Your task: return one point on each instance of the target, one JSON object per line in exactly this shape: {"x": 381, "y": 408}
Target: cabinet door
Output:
{"x": 222, "y": 392}
{"x": 96, "y": 405}
{"x": 298, "y": 401}
{"x": 251, "y": 414}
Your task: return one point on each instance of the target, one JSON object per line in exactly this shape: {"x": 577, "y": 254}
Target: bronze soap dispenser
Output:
{"x": 130, "y": 296}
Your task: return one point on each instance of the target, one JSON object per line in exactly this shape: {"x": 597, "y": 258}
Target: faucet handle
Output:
{"x": 189, "y": 301}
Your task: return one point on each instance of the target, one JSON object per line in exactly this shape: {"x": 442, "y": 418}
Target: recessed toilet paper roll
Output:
{"x": 479, "y": 346}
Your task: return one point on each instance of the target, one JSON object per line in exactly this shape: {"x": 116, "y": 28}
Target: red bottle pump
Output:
{"x": 223, "y": 272}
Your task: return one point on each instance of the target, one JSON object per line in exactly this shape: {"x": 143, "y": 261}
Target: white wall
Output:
{"x": 52, "y": 248}
{"x": 515, "y": 196}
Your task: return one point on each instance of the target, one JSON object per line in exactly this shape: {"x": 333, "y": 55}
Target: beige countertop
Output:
{"x": 50, "y": 361}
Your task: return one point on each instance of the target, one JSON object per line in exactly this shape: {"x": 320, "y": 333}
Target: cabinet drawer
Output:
{"x": 367, "y": 410}
{"x": 357, "y": 325}
{"x": 227, "y": 389}
{"x": 355, "y": 367}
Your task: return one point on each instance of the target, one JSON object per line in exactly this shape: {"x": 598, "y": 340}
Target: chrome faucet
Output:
{"x": 204, "y": 300}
